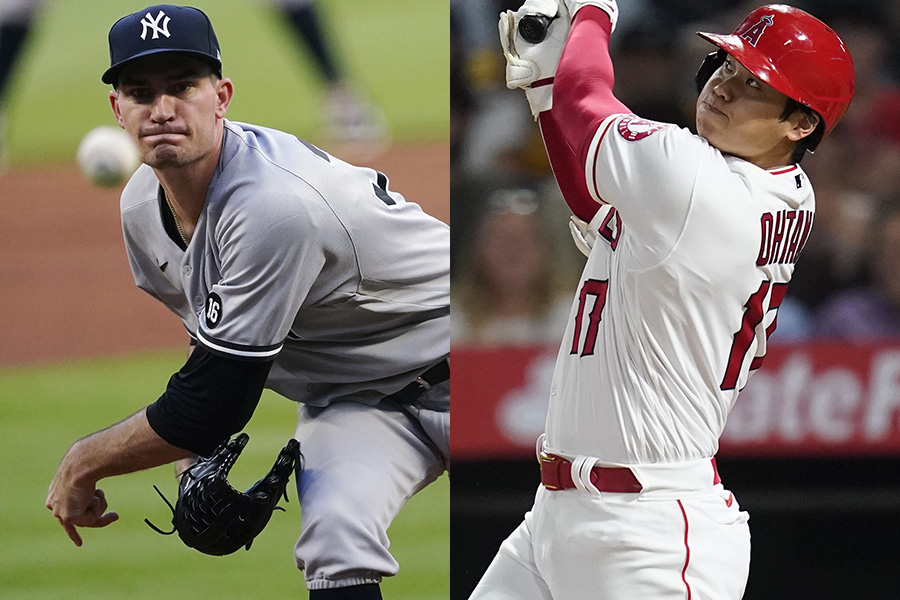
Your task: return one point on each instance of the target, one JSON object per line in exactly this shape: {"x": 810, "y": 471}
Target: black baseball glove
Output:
{"x": 213, "y": 517}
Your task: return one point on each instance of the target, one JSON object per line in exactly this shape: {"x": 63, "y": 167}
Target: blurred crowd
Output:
{"x": 514, "y": 268}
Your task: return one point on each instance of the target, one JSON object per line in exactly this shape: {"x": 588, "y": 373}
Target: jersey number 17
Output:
{"x": 755, "y": 310}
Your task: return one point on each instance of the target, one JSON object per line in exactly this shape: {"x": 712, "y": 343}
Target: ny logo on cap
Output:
{"x": 149, "y": 21}
{"x": 753, "y": 34}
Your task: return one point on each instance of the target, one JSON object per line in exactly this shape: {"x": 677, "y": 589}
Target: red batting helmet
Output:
{"x": 796, "y": 54}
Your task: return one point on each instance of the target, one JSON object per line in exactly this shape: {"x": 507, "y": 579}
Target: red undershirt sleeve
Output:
{"x": 567, "y": 169}
{"x": 582, "y": 99}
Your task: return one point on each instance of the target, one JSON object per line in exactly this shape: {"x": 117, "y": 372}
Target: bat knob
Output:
{"x": 533, "y": 28}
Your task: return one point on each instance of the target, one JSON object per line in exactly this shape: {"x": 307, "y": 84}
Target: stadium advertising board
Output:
{"x": 822, "y": 399}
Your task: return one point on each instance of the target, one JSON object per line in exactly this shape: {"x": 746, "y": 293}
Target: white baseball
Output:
{"x": 107, "y": 156}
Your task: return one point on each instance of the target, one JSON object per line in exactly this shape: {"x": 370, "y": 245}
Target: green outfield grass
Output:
{"x": 44, "y": 409}
{"x": 397, "y": 51}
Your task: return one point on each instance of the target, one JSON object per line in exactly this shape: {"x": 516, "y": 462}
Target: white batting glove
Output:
{"x": 608, "y": 6}
{"x": 585, "y": 234}
{"x": 582, "y": 235}
{"x": 532, "y": 66}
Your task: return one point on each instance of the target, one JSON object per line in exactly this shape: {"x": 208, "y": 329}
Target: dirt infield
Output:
{"x": 65, "y": 287}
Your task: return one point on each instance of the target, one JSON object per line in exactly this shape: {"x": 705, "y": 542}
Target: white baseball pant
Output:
{"x": 660, "y": 544}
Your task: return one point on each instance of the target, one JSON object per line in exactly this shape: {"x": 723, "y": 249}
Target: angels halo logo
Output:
{"x": 634, "y": 128}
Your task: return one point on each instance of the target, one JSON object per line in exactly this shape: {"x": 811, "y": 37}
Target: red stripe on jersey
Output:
{"x": 783, "y": 171}
{"x": 596, "y": 155}
{"x": 542, "y": 82}
{"x": 687, "y": 551}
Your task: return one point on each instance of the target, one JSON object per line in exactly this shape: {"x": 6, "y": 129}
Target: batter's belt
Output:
{"x": 557, "y": 473}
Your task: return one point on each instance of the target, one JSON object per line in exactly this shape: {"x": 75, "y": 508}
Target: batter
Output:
{"x": 691, "y": 243}
{"x": 290, "y": 269}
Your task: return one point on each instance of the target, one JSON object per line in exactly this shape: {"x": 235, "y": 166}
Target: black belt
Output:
{"x": 439, "y": 373}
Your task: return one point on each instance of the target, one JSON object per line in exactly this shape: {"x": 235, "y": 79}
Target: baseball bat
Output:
{"x": 533, "y": 28}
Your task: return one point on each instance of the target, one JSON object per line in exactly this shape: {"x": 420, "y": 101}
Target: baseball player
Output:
{"x": 349, "y": 116}
{"x": 16, "y": 23}
{"x": 692, "y": 240}
{"x": 291, "y": 270}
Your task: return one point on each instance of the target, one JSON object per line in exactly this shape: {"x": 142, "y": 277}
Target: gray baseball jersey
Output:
{"x": 302, "y": 256}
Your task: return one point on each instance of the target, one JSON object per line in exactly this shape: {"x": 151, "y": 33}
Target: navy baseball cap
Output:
{"x": 162, "y": 28}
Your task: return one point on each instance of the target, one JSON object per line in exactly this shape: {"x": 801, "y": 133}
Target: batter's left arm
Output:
{"x": 126, "y": 447}
{"x": 583, "y": 89}
{"x": 567, "y": 170}
{"x": 582, "y": 98}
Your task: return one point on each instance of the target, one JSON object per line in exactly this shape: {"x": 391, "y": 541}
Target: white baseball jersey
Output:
{"x": 302, "y": 256}
{"x": 678, "y": 296}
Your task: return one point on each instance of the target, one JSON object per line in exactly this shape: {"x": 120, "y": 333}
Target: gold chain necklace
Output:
{"x": 177, "y": 222}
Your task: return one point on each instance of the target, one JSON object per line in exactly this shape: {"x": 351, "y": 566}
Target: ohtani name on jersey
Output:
{"x": 783, "y": 235}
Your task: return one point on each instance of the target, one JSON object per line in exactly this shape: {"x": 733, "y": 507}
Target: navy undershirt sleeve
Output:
{"x": 210, "y": 399}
